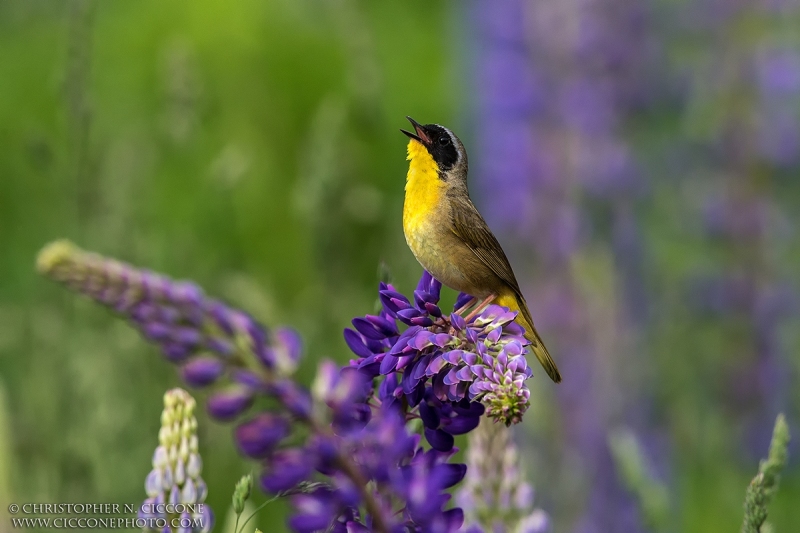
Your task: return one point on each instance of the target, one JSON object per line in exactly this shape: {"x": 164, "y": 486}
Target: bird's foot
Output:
{"x": 466, "y": 306}
{"x": 480, "y": 307}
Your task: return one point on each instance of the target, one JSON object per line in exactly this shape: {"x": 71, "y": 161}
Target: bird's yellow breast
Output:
{"x": 426, "y": 213}
{"x": 424, "y": 191}
{"x": 428, "y": 228}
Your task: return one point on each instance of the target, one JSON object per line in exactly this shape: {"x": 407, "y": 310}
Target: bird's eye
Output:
{"x": 444, "y": 141}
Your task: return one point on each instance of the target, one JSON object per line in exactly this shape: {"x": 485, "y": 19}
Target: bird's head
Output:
{"x": 438, "y": 145}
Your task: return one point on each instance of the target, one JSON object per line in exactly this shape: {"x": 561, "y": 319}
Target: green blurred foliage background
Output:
{"x": 253, "y": 147}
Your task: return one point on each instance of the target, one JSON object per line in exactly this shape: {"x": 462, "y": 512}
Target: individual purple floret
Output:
{"x": 443, "y": 357}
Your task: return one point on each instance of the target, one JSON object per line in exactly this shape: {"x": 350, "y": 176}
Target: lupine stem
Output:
{"x": 236, "y": 530}
{"x": 369, "y": 501}
{"x": 351, "y": 471}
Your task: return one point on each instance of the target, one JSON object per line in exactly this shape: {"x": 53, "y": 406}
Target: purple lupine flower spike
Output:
{"x": 205, "y": 336}
{"x": 480, "y": 361}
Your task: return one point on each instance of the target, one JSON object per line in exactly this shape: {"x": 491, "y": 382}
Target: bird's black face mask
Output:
{"x": 438, "y": 141}
{"x": 442, "y": 148}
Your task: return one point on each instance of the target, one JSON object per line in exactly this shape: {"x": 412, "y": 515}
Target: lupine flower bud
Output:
{"x": 258, "y": 437}
{"x": 202, "y": 371}
{"x": 230, "y": 403}
{"x": 175, "y": 478}
{"x": 241, "y": 493}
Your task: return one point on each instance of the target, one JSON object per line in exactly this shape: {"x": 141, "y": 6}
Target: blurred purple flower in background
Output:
{"x": 204, "y": 336}
{"x": 555, "y": 81}
{"x": 753, "y": 142}
{"x": 778, "y": 89}
{"x": 563, "y": 90}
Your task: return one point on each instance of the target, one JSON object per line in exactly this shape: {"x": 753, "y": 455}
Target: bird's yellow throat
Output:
{"x": 424, "y": 189}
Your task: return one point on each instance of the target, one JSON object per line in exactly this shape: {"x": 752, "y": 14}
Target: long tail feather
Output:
{"x": 516, "y": 303}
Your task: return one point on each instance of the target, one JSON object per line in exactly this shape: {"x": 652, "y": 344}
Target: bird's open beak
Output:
{"x": 420, "y": 136}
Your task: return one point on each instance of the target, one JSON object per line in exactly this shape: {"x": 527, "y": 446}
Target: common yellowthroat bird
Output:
{"x": 450, "y": 238}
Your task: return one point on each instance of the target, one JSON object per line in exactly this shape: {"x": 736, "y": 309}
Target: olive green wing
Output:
{"x": 471, "y": 228}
